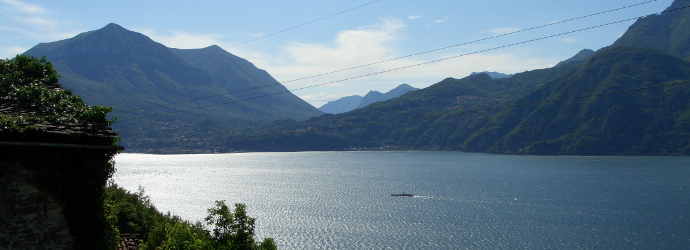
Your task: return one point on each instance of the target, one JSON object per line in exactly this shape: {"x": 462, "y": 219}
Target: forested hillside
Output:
{"x": 169, "y": 100}
{"x": 627, "y": 99}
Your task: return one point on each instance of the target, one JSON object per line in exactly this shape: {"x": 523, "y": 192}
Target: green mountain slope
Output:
{"x": 634, "y": 122}
{"x": 480, "y": 114}
{"x": 241, "y": 79}
{"x": 439, "y": 117}
{"x": 668, "y": 32}
{"x": 161, "y": 95}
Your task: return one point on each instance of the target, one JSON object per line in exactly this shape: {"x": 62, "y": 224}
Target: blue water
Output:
{"x": 341, "y": 200}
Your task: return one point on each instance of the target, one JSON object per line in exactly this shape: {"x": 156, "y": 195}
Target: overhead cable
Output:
{"x": 410, "y": 66}
{"x": 414, "y": 54}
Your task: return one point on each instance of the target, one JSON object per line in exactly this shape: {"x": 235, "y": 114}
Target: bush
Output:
{"x": 133, "y": 213}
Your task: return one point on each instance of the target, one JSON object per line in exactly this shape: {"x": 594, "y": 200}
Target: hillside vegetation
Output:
{"x": 629, "y": 98}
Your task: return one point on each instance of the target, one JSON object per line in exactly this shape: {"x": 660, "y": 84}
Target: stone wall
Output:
{"x": 30, "y": 218}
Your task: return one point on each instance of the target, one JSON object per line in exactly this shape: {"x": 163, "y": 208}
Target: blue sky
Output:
{"x": 367, "y": 32}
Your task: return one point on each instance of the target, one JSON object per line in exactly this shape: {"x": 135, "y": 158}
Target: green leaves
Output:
{"x": 133, "y": 213}
{"x": 233, "y": 230}
{"x": 25, "y": 70}
{"x": 30, "y": 84}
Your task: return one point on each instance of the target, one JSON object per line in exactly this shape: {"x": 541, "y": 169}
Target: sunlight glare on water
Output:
{"x": 341, "y": 200}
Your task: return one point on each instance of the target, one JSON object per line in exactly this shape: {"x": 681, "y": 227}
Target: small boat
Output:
{"x": 402, "y": 194}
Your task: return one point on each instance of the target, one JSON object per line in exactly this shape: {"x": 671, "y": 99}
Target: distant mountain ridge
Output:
{"x": 625, "y": 123}
{"x": 669, "y": 32}
{"x": 583, "y": 55}
{"x": 630, "y": 98}
{"x": 494, "y": 75}
{"x": 144, "y": 80}
{"x": 349, "y": 103}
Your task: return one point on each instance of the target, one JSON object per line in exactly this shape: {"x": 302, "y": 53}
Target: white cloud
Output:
{"x": 502, "y": 31}
{"x": 26, "y": 24}
{"x": 28, "y": 18}
{"x": 41, "y": 23}
{"x": 323, "y": 97}
{"x": 414, "y": 17}
{"x": 18, "y": 30}
{"x": 24, "y": 7}
{"x": 11, "y": 52}
{"x": 361, "y": 61}
{"x": 183, "y": 40}
{"x": 438, "y": 21}
{"x": 355, "y": 55}
{"x": 351, "y": 48}
{"x": 570, "y": 40}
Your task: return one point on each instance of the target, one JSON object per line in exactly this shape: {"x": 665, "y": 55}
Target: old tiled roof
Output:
{"x": 54, "y": 131}
{"x": 128, "y": 242}
{"x": 76, "y": 129}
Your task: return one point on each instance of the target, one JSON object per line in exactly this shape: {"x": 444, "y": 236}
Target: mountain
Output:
{"x": 241, "y": 79}
{"x": 579, "y": 57}
{"x": 342, "y": 105}
{"x": 417, "y": 120}
{"x": 349, "y": 103}
{"x": 669, "y": 32}
{"x": 629, "y": 123}
{"x": 630, "y": 98}
{"x": 494, "y": 75}
{"x": 375, "y": 96}
{"x": 168, "y": 98}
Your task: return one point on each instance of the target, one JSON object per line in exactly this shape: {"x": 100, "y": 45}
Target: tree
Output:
{"x": 133, "y": 213}
{"x": 234, "y": 230}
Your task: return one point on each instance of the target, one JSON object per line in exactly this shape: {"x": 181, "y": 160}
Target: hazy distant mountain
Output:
{"x": 200, "y": 92}
{"x": 606, "y": 103}
{"x": 342, "y": 105}
{"x": 375, "y": 96}
{"x": 349, "y": 103}
{"x": 494, "y": 75}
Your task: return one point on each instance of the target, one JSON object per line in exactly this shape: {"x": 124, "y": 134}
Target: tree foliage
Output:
{"x": 621, "y": 110}
{"x": 29, "y": 83}
{"x": 234, "y": 230}
{"x": 133, "y": 213}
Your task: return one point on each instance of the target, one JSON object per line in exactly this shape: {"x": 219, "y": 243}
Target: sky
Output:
{"x": 326, "y": 50}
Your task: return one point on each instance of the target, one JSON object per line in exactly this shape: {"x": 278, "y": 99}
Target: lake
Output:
{"x": 342, "y": 200}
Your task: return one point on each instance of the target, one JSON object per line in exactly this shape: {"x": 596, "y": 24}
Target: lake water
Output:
{"x": 342, "y": 200}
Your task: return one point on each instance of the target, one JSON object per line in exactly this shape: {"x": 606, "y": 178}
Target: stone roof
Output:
{"x": 128, "y": 242}
{"x": 76, "y": 129}
{"x": 46, "y": 131}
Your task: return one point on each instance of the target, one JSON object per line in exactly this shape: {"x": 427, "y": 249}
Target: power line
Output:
{"x": 307, "y": 23}
{"x": 474, "y": 41}
{"x": 265, "y": 36}
{"x": 464, "y": 112}
{"x": 416, "y": 54}
{"x": 409, "y": 66}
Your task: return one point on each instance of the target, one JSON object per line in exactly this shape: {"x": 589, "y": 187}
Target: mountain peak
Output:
{"x": 113, "y": 44}
{"x": 493, "y": 75}
{"x": 579, "y": 57}
{"x": 677, "y": 4}
{"x": 214, "y": 48}
{"x": 112, "y": 26}
{"x": 112, "y": 47}
{"x": 667, "y": 31}
{"x": 350, "y": 103}
{"x": 112, "y": 29}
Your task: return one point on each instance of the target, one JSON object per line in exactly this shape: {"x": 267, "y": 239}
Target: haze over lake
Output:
{"x": 342, "y": 200}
